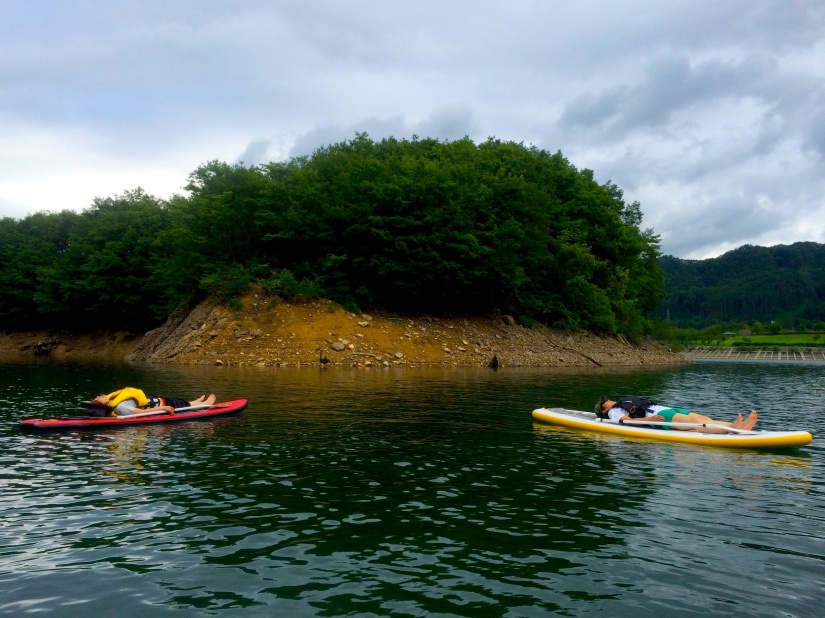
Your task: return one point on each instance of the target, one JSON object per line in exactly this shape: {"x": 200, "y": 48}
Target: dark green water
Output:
{"x": 408, "y": 493}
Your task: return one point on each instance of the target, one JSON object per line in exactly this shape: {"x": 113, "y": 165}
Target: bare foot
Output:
{"x": 750, "y": 421}
{"x": 211, "y": 399}
{"x": 737, "y": 424}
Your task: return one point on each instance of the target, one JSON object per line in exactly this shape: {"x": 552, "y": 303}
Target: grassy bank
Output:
{"x": 785, "y": 340}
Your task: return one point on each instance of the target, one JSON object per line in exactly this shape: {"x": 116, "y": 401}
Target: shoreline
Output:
{"x": 269, "y": 332}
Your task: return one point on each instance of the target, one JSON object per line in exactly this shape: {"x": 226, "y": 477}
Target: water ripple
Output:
{"x": 418, "y": 493}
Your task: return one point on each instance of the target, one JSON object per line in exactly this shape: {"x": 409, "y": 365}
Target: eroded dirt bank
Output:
{"x": 320, "y": 332}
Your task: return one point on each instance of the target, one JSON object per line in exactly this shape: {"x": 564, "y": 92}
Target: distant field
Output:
{"x": 791, "y": 339}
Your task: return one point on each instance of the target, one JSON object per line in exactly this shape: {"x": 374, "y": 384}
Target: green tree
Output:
{"x": 747, "y": 284}
{"x": 416, "y": 225}
{"x": 104, "y": 278}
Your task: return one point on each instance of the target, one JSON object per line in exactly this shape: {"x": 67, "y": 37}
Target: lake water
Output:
{"x": 408, "y": 492}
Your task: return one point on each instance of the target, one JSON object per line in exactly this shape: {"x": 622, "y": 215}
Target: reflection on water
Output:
{"x": 408, "y": 492}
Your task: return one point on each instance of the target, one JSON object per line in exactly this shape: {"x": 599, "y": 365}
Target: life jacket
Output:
{"x": 636, "y": 407}
{"x": 143, "y": 400}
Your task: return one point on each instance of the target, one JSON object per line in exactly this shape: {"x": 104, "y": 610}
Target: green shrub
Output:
{"x": 285, "y": 285}
{"x": 227, "y": 284}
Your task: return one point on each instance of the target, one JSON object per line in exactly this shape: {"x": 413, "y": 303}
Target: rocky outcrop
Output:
{"x": 186, "y": 330}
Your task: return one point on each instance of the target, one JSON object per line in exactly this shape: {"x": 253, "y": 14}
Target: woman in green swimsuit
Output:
{"x": 666, "y": 414}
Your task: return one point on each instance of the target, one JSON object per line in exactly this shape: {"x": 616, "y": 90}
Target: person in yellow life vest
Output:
{"x": 130, "y": 400}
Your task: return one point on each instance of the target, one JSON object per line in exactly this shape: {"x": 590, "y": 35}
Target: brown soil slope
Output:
{"x": 284, "y": 333}
{"x": 64, "y": 345}
{"x": 321, "y": 332}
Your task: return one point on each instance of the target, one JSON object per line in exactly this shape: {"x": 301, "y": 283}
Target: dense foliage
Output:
{"x": 415, "y": 225}
{"x": 781, "y": 285}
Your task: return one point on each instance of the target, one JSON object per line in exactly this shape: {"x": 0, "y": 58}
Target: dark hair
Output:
{"x": 94, "y": 408}
{"x": 599, "y": 405}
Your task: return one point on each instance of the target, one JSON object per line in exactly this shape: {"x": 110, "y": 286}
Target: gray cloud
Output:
{"x": 709, "y": 113}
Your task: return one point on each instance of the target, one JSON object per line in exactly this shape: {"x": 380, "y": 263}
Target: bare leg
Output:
{"x": 203, "y": 400}
{"x": 693, "y": 417}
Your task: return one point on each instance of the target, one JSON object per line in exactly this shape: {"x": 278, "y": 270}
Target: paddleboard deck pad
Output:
{"x": 752, "y": 439}
{"x": 106, "y": 422}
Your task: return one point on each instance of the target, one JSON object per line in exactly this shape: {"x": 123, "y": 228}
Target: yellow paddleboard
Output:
{"x": 752, "y": 439}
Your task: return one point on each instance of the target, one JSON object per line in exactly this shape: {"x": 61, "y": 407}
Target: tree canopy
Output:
{"x": 782, "y": 284}
{"x": 417, "y": 225}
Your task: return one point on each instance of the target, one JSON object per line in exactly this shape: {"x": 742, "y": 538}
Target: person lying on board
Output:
{"x": 631, "y": 407}
{"x": 130, "y": 400}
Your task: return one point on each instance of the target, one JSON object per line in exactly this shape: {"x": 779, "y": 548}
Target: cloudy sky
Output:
{"x": 710, "y": 113}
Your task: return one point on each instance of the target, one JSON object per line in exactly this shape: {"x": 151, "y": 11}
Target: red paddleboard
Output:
{"x": 105, "y": 422}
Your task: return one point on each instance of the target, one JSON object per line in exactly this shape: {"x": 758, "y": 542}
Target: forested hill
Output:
{"x": 421, "y": 226}
{"x": 785, "y": 283}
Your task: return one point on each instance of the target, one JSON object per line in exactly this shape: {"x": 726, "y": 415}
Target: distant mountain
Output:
{"x": 784, "y": 283}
